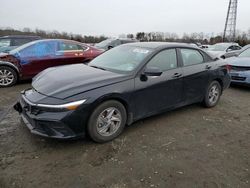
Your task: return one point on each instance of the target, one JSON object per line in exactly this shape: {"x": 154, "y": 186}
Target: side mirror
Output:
{"x": 229, "y": 50}
{"x": 152, "y": 71}
{"x": 109, "y": 47}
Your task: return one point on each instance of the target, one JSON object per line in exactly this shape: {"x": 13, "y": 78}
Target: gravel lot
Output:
{"x": 189, "y": 147}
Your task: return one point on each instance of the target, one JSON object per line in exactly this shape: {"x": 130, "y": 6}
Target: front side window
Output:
{"x": 245, "y": 53}
{"x": 233, "y": 48}
{"x": 115, "y": 43}
{"x": 237, "y": 48}
{"x": 40, "y": 49}
{"x": 164, "y": 60}
{"x": 191, "y": 57}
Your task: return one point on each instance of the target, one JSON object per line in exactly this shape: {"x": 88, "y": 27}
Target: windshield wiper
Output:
{"x": 97, "y": 67}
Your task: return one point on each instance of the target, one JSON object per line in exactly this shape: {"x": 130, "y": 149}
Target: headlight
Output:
{"x": 69, "y": 106}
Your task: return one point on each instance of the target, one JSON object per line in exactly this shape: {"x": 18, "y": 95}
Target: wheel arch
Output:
{"x": 10, "y": 65}
{"x": 116, "y": 97}
{"x": 220, "y": 82}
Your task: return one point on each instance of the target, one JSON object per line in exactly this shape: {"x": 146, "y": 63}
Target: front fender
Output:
{"x": 6, "y": 63}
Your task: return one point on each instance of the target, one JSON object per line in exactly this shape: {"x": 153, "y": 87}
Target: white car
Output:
{"x": 224, "y": 50}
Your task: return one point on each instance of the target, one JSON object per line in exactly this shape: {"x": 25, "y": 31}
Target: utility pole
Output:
{"x": 230, "y": 26}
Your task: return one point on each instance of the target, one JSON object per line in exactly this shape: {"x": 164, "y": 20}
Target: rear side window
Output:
{"x": 191, "y": 57}
{"x": 63, "y": 46}
{"x": 164, "y": 60}
{"x": 233, "y": 48}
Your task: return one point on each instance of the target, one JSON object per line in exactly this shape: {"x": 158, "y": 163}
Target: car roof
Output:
{"x": 19, "y": 36}
{"x": 64, "y": 40}
{"x": 227, "y": 43}
{"x": 156, "y": 45}
{"x": 44, "y": 40}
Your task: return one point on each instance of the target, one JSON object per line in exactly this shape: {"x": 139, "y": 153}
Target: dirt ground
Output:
{"x": 190, "y": 147}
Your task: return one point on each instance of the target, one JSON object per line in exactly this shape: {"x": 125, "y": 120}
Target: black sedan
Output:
{"x": 119, "y": 87}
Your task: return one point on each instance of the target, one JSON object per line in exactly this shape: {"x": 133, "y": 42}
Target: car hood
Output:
{"x": 239, "y": 61}
{"x": 2, "y": 54}
{"x": 64, "y": 81}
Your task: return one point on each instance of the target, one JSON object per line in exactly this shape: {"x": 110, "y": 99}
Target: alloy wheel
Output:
{"x": 109, "y": 121}
{"x": 6, "y": 77}
{"x": 213, "y": 95}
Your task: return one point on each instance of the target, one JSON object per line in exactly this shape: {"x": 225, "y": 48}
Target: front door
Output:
{"x": 154, "y": 94}
{"x": 38, "y": 57}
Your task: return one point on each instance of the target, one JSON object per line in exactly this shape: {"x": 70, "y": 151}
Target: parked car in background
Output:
{"x": 111, "y": 43}
{"x": 205, "y": 46}
{"x": 29, "y": 59}
{"x": 224, "y": 50}
{"x": 8, "y": 43}
{"x": 244, "y": 48}
{"x": 240, "y": 67}
{"x": 123, "y": 85}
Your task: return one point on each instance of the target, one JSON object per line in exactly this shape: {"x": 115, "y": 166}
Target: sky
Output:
{"x": 114, "y": 17}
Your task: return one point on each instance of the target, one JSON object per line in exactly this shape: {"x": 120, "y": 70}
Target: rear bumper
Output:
{"x": 240, "y": 77}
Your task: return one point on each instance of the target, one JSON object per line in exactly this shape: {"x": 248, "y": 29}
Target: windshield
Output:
{"x": 122, "y": 59}
{"x": 104, "y": 43}
{"x": 245, "y": 53}
{"x": 218, "y": 47}
{"x": 4, "y": 43}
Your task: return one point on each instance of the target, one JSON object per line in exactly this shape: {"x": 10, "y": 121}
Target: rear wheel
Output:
{"x": 213, "y": 94}
{"x": 8, "y": 76}
{"x": 107, "y": 121}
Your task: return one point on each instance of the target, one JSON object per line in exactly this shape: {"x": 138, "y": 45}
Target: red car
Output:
{"x": 28, "y": 60}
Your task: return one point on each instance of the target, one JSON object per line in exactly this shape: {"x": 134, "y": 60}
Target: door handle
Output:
{"x": 208, "y": 67}
{"x": 177, "y": 75}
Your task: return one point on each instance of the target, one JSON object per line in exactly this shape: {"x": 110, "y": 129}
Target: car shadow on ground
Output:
{"x": 240, "y": 87}
{"x": 136, "y": 127}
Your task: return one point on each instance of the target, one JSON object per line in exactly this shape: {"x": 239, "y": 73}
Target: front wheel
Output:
{"x": 213, "y": 94}
{"x": 8, "y": 76}
{"x": 107, "y": 121}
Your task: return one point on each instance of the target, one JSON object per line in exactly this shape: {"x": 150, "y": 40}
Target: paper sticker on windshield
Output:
{"x": 142, "y": 51}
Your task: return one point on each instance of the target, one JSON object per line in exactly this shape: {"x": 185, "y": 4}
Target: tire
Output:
{"x": 8, "y": 76}
{"x": 213, "y": 94}
{"x": 103, "y": 124}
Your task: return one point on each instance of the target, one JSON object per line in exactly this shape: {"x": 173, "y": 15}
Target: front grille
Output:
{"x": 239, "y": 68}
{"x": 238, "y": 78}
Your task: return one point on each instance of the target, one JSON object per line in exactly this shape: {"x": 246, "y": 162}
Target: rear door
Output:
{"x": 196, "y": 70}
{"x": 157, "y": 93}
{"x": 71, "y": 53}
